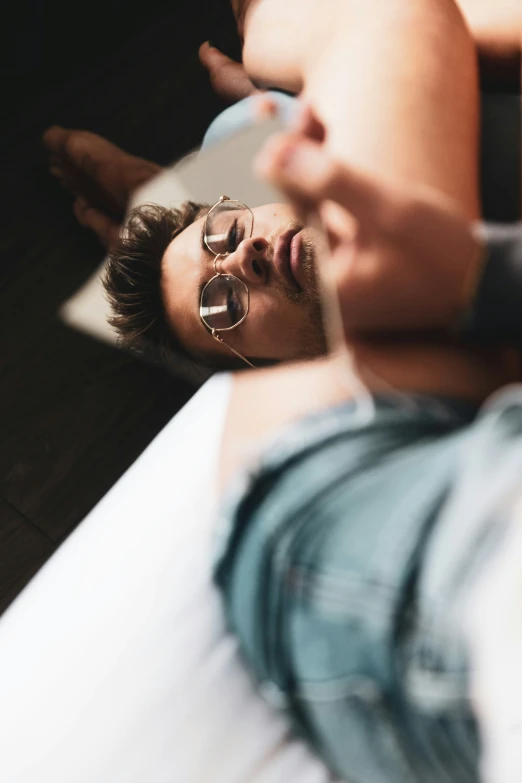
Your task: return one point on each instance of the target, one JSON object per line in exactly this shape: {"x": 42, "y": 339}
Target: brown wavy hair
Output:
{"x": 132, "y": 279}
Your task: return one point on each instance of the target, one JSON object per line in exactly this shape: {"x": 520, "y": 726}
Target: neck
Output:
{"x": 431, "y": 368}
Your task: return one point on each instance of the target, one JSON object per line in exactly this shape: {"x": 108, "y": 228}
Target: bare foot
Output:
{"x": 100, "y": 175}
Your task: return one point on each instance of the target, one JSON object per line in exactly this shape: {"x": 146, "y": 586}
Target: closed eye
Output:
{"x": 232, "y": 238}
{"x": 233, "y": 306}
{"x": 201, "y": 287}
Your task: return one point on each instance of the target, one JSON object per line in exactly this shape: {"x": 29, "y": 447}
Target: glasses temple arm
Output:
{"x": 216, "y": 336}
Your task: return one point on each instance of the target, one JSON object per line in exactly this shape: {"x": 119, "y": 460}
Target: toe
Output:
{"x": 106, "y": 229}
{"x": 54, "y": 138}
{"x": 56, "y": 171}
{"x": 79, "y": 150}
{"x": 72, "y": 148}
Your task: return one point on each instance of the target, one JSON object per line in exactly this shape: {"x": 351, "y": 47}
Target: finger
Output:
{"x": 306, "y": 123}
{"x": 305, "y": 172}
{"x": 266, "y": 167}
{"x": 339, "y": 224}
{"x": 228, "y": 77}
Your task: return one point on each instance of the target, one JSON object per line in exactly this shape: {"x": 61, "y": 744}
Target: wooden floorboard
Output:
{"x": 71, "y": 434}
{"x": 23, "y": 549}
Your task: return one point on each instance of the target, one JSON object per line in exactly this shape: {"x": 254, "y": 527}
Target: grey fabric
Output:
{"x": 496, "y": 312}
{"x": 500, "y": 157}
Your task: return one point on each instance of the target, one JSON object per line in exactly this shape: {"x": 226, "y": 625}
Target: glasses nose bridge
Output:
{"x": 217, "y": 262}
{"x": 231, "y": 263}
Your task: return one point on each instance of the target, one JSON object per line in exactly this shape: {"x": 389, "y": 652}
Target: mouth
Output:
{"x": 288, "y": 256}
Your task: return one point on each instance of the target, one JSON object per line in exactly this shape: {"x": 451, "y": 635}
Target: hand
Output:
{"x": 400, "y": 257}
{"x": 228, "y": 78}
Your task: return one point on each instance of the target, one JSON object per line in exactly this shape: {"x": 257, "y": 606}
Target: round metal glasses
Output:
{"x": 225, "y": 299}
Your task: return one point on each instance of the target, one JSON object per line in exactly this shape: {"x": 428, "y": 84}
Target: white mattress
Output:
{"x": 115, "y": 665}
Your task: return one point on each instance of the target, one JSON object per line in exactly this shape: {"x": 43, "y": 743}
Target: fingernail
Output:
{"x": 211, "y": 44}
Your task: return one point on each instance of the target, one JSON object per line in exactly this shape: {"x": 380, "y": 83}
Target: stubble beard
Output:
{"x": 309, "y": 300}
{"x": 314, "y": 337}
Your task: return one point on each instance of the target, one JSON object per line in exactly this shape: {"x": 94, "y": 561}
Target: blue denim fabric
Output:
{"x": 344, "y": 564}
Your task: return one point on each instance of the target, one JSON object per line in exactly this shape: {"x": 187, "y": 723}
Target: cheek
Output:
{"x": 273, "y": 317}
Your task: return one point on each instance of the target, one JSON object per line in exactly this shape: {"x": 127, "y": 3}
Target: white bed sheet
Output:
{"x": 115, "y": 665}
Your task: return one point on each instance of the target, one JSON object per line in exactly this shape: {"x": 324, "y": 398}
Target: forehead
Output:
{"x": 185, "y": 253}
{"x": 183, "y": 266}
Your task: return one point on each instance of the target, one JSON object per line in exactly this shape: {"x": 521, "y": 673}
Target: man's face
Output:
{"x": 277, "y": 265}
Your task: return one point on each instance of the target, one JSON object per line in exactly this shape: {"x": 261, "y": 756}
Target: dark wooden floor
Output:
{"x": 76, "y": 413}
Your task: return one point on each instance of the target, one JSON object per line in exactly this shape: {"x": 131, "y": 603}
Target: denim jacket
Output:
{"x": 342, "y": 564}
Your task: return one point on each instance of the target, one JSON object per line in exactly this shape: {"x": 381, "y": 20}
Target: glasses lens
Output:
{"x": 224, "y": 302}
{"x": 227, "y": 225}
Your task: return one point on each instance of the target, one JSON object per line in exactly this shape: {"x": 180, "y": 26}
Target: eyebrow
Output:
{"x": 202, "y": 237}
{"x": 202, "y": 282}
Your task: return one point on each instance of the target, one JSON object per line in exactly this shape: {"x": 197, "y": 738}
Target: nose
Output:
{"x": 248, "y": 261}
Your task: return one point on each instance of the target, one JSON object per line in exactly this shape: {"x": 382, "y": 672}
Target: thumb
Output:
{"x": 228, "y": 77}
{"x": 304, "y": 171}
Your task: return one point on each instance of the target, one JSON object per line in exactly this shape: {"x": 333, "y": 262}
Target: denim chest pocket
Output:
{"x": 352, "y": 724}
{"x": 334, "y": 664}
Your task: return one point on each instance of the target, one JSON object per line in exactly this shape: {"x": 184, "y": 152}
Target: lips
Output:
{"x": 287, "y": 257}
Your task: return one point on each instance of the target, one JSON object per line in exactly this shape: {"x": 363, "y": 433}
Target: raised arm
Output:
{"x": 280, "y": 37}
{"x": 411, "y": 118}
{"x": 382, "y": 77}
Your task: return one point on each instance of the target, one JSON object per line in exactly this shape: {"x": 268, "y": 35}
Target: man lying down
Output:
{"x": 162, "y": 262}
{"x": 349, "y": 547}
